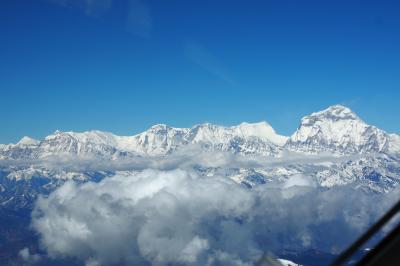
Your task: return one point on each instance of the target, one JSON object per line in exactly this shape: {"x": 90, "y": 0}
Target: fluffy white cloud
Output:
{"x": 180, "y": 217}
{"x": 300, "y": 180}
{"x": 28, "y": 258}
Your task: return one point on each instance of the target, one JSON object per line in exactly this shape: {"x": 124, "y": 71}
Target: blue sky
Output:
{"x": 123, "y": 66}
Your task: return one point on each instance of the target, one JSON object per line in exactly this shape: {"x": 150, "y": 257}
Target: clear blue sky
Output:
{"x": 122, "y": 66}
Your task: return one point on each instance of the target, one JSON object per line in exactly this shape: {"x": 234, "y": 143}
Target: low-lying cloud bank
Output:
{"x": 179, "y": 217}
{"x": 187, "y": 158}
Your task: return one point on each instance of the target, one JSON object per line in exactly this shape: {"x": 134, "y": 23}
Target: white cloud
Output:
{"x": 180, "y": 217}
{"x": 193, "y": 249}
{"x": 300, "y": 180}
{"x": 186, "y": 158}
{"x": 29, "y": 258}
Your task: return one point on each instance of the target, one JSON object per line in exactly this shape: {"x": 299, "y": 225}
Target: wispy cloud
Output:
{"x": 352, "y": 102}
{"x": 94, "y": 8}
{"x": 138, "y": 18}
{"x": 200, "y": 55}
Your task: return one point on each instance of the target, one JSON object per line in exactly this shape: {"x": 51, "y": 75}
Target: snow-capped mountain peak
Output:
{"x": 214, "y": 133}
{"x": 159, "y": 139}
{"x": 159, "y": 127}
{"x": 163, "y": 139}
{"x": 246, "y": 138}
{"x": 337, "y": 129}
{"x": 261, "y": 130}
{"x": 28, "y": 141}
{"x": 332, "y": 113}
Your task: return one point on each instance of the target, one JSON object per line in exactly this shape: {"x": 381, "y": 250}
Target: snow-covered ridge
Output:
{"x": 246, "y": 138}
{"x": 336, "y": 129}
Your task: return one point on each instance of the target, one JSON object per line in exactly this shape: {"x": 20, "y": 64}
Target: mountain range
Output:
{"x": 336, "y": 129}
{"x": 330, "y": 148}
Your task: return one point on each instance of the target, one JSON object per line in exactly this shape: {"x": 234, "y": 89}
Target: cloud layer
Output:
{"x": 179, "y": 217}
{"x": 187, "y": 158}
